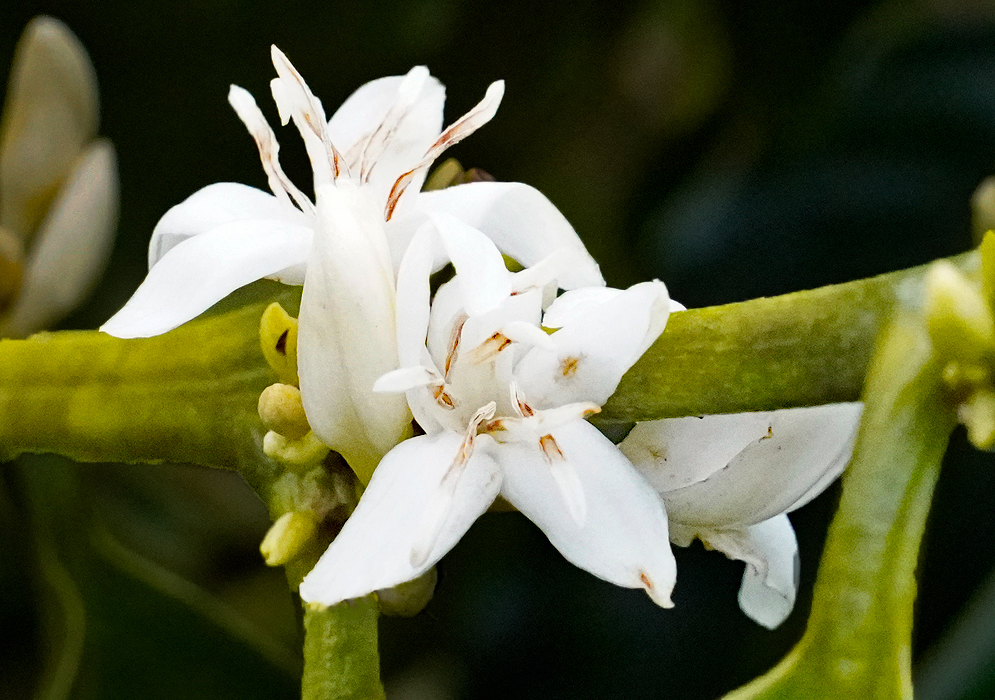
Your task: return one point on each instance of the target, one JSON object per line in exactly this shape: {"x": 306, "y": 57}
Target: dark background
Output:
{"x": 731, "y": 149}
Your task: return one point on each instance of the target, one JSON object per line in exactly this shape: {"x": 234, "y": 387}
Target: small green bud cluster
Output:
{"x": 960, "y": 316}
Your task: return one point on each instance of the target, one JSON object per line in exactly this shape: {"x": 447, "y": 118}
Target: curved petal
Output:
{"x": 595, "y": 348}
{"x": 623, "y": 538}
{"x": 347, "y": 336}
{"x": 389, "y": 124}
{"x": 520, "y": 220}
{"x": 573, "y": 304}
{"x": 50, "y": 114}
{"x": 204, "y": 269}
{"x": 770, "y": 581}
{"x": 383, "y": 544}
{"x": 413, "y": 297}
{"x": 481, "y": 274}
{"x": 781, "y": 459}
{"x": 213, "y": 206}
{"x": 72, "y": 247}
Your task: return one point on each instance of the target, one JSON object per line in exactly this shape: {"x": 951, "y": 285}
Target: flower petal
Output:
{"x": 770, "y": 581}
{"x": 72, "y": 247}
{"x": 479, "y": 115}
{"x": 595, "y": 348}
{"x": 204, "y": 269}
{"x": 623, "y": 538}
{"x": 386, "y": 126}
{"x": 214, "y": 205}
{"x": 248, "y": 111}
{"x": 376, "y": 546}
{"x": 347, "y": 336}
{"x": 520, "y": 220}
{"x": 294, "y": 99}
{"x": 481, "y": 274}
{"x": 782, "y": 456}
{"x": 50, "y": 114}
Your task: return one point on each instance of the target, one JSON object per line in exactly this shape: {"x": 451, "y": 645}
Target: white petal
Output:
{"x": 575, "y": 303}
{"x": 401, "y": 380}
{"x": 595, "y": 348}
{"x": 780, "y": 461}
{"x": 520, "y": 220}
{"x": 72, "y": 247}
{"x": 375, "y": 547}
{"x": 388, "y": 125}
{"x": 481, "y": 274}
{"x": 204, "y": 269}
{"x": 413, "y": 296}
{"x": 481, "y": 113}
{"x": 624, "y": 536}
{"x": 770, "y": 581}
{"x": 347, "y": 337}
{"x": 293, "y": 97}
{"x": 212, "y": 206}
{"x": 50, "y": 114}
{"x": 528, "y": 334}
{"x": 248, "y": 111}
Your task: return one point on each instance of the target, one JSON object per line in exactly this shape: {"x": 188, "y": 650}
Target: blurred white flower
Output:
{"x": 503, "y": 402}
{"x": 729, "y": 480}
{"x": 369, "y": 162}
{"x": 58, "y": 182}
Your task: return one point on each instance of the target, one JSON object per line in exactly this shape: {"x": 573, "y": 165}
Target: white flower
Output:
{"x": 729, "y": 480}
{"x": 58, "y": 182}
{"x": 369, "y": 162}
{"x": 503, "y": 404}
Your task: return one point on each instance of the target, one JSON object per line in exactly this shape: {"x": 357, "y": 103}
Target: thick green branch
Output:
{"x": 859, "y": 636}
{"x": 187, "y": 396}
{"x": 190, "y": 395}
{"x": 800, "y": 349}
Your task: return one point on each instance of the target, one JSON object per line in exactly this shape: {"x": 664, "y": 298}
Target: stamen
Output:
{"x": 407, "y": 93}
{"x": 490, "y": 348}
{"x": 566, "y": 479}
{"x": 314, "y": 115}
{"x": 248, "y": 111}
{"x": 437, "y": 512}
{"x": 482, "y": 113}
{"x": 442, "y": 398}
{"x": 452, "y": 351}
{"x": 523, "y": 409}
{"x": 549, "y": 448}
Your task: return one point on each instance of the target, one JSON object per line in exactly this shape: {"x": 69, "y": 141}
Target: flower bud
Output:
{"x": 281, "y": 411}
{"x": 278, "y": 337}
{"x": 960, "y": 321}
{"x": 409, "y": 598}
{"x": 287, "y": 536}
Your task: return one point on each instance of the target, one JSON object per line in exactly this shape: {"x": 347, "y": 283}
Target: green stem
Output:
{"x": 341, "y": 659}
{"x": 858, "y": 641}
{"x": 186, "y": 396}
{"x": 190, "y": 395}
{"x": 800, "y": 349}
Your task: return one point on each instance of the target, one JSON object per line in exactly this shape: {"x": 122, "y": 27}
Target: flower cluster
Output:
{"x": 499, "y": 368}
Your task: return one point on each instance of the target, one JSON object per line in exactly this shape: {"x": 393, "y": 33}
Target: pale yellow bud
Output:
{"x": 959, "y": 319}
{"x": 287, "y": 536}
{"x": 281, "y": 411}
{"x": 978, "y": 416}
{"x": 304, "y": 451}
{"x": 409, "y": 598}
{"x": 278, "y": 338}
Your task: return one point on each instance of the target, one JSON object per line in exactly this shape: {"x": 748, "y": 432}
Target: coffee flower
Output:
{"x": 58, "y": 182}
{"x": 503, "y": 402}
{"x": 729, "y": 480}
{"x": 369, "y": 162}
